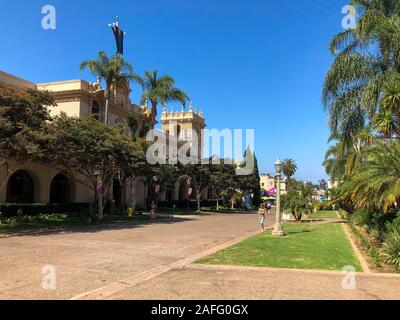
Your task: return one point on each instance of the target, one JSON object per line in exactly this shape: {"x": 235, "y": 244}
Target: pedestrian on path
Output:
{"x": 153, "y": 211}
{"x": 268, "y": 208}
{"x": 261, "y": 215}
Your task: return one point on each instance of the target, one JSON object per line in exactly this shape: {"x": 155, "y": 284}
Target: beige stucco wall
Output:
{"x": 72, "y": 109}
{"x": 42, "y": 177}
{"x": 16, "y": 82}
{"x": 64, "y": 85}
{"x": 267, "y": 183}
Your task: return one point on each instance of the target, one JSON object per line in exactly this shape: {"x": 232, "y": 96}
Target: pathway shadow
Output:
{"x": 88, "y": 228}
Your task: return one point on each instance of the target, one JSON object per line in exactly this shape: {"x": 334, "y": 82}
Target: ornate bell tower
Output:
{"x": 183, "y": 125}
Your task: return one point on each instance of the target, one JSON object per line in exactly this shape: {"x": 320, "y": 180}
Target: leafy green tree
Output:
{"x": 87, "y": 148}
{"x": 223, "y": 178}
{"x": 199, "y": 176}
{"x": 114, "y": 71}
{"x": 167, "y": 175}
{"x": 250, "y": 184}
{"x": 134, "y": 166}
{"x": 22, "y": 115}
{"x": 161, "y": 90}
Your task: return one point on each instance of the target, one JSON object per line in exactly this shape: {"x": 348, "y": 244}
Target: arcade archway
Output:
{"x": 20, "y": 188}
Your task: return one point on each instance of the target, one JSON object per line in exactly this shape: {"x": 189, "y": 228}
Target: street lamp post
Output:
{"x": 278, "y": 229}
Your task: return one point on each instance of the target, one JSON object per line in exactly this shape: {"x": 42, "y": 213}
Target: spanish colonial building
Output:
{"x": 38, "y": 183}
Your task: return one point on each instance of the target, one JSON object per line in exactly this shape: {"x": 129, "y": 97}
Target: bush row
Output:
{"x": 9, "y": 210}
{"x": 183, "y": 204}
{"x": 384, "y": 227}
{"x": 376, "y": 223}
{"x": 324, "y": 206}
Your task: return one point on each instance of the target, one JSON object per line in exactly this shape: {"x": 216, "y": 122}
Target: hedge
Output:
{"x": 10, "y": 209}
{"x": 183, "y": 204}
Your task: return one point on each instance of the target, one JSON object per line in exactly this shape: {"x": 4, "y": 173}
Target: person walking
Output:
{"x": 261, "y": 215}
{"x": 268, "y": 208}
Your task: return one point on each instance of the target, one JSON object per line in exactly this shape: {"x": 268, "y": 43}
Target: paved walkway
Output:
{"x": 92, "y": 258}
{"x": 155, "y": 262}
{"x": 244, "y": 283}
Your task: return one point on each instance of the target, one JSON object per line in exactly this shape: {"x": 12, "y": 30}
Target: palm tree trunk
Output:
{"x": 154, "y": 111}
{"x": 107, "y": 96}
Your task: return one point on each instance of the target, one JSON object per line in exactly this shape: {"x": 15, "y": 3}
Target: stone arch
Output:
{"x": 61, "y": 189}
{"x": 22, "y": 187}
{"x": 183, "y": 189}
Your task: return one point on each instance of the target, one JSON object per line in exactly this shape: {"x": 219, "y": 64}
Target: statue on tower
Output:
{"x": 119, "y": 35}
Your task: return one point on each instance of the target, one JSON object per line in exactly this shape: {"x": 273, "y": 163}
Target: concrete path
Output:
{"x": 243, "y": 283}
{"x": 155, "y": 261}
{"x": 92, "y": 258}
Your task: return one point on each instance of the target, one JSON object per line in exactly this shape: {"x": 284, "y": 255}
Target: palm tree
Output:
{"x": 366, "y": 57}
{"x": 377, "y": 181}
{"x": 385, "y": 122}
{"x": 335, "y": 163}
{"x": 114, "y": 71}
{"x": 343, "y": 158}
{"x": 390, "y": 103}
{"x": 161, "y": 90}
{"x": 289, "y": 168}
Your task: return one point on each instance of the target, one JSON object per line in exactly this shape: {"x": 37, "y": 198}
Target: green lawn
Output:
{"x": 306, "y": 246}
{"x": 325, "y": 215}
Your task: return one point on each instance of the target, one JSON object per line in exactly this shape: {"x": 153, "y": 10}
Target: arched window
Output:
{"x": 183, "y": 191}
{"x": 60, "y": 189}
{"x": 20, "y": 188}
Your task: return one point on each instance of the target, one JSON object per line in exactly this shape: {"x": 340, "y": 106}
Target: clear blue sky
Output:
{"x": 248, "y": 64}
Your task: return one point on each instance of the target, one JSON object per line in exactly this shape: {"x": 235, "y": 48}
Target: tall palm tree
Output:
{"x": 343, "y": 158}
{"x": 377, "y": 181}
{"x": 289, "y": 168}
{"x": 366, "y": 57}
{"x": 390, "y": 103}
{"x": 114, "y": 71}
{"x": 335, "y": 163}
{"x": 161, "y": 90}
{"x": 385, "y": 122}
